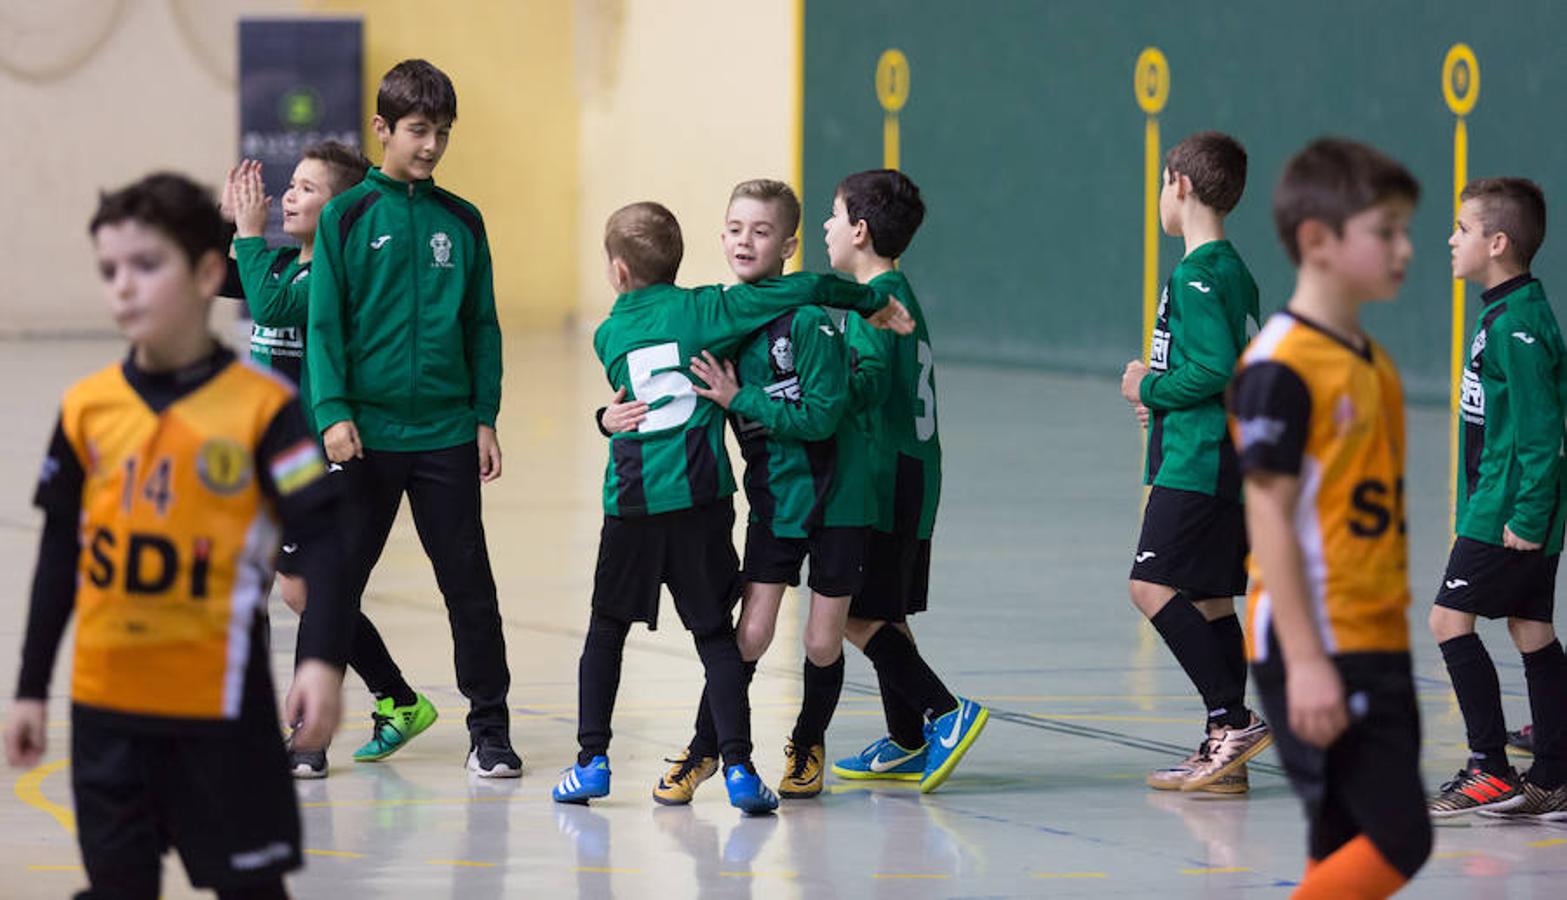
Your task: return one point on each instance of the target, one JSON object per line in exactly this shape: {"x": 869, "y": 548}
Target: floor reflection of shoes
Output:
{"x": 1219, "y": 824}
{"x": 587, "y": 830}
{"x": 745, "y": 841}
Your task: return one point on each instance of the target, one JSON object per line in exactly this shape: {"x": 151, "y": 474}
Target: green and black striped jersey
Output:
{"x": 1201, "y": 330}
{"x": 1513, "y": 397}
{"x": 676, "y": 458}
{"x": 895, "y": 388}
{"x": 804, "y": 456}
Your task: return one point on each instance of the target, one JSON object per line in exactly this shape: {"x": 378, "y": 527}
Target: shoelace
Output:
{"x": 1457, "y": 780}
{"x": 1205, "y": 749}
{"x": 377, "y": 721}
{"x": 687, "y": 766}
{"x": 801, "y": 761}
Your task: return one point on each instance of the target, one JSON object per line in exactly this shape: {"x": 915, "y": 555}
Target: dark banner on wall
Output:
{"x": 300, "y": 81}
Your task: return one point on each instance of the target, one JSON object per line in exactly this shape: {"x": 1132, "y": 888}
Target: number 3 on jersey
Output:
{"x": 656, "y": 380}
{"x": 925, "y": 393}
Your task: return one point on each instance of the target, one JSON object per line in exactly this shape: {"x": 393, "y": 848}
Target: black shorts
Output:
{"x": 224, "y": 801}
{"x": 837, "y": 558}
{"x": 288, "y": 561}
{"x": 691, "y": 550}
{"x": 1368, "y": 781}
{"x": 1494, "y": 582}
{"x": 1192, "y": 542}
{"x": 897, "y": 578}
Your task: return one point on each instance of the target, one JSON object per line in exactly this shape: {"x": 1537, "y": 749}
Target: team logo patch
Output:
{"x": 1477, "y": 346}
{"x": 441, "y": 247}
{"x": 223, "y": 466}
{"x": 296, "y": 467}
{"x": 783, "y": 355}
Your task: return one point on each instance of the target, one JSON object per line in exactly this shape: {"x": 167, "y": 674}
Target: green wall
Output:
{"x": 1023, "y": 132}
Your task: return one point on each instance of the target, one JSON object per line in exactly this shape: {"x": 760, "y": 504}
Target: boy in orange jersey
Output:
{"x": 168, "y": 482}
{"x": 1316, "y": 411}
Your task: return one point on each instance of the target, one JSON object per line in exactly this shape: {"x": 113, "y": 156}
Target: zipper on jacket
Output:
{"x": 413, "y": 355}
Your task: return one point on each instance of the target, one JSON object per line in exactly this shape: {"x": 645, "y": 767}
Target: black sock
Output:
{"x": 905, "y": 724}
{"x": 823, "y": 685}
{"x": 369, "y": 657}
{"x": 1479, "y": 699}
{"x": 727, "y": 694}
{"x": 1232, "y": 643}
{"x": 704, "y": 740}
{"x": 1202, "y": 656}
{"x": 899, "y": 666}
{"x": 1545, "y": 670}
{"x": 598, "y": 680}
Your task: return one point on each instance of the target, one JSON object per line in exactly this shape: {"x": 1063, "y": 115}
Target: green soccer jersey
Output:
{"x": 403, "y": 337}
{"x": 804, "y": 457}
{"x": 1200, "y": 333}
{"x": 676, "y": 458}
{"x": 277, "y": 293}
{"x": 1512, "y": 402}
{"x": 894, "y": 387}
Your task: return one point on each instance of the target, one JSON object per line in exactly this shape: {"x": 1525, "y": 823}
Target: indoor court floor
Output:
{"x": 1029, "y": 615}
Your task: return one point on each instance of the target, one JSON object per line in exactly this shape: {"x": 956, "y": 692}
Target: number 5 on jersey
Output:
{"x": 656, "y": 380}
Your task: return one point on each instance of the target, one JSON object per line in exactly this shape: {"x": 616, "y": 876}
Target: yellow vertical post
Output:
{"x": 892, "y": 89}
{"x": 1151, "y": 83}
{"x": 1461, "y": 89}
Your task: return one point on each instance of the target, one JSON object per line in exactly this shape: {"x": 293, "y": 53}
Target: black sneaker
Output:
{"x": 1538, "y": 803}
{"x": 307, "y": 763}
{"x": 1522, "y": 739}
{"x": 491, "y": 756}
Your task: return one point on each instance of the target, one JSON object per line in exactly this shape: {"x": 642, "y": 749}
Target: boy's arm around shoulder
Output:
{"x": 1207, "y": 345}
{"x": 325, "y": 352}
{"x": 275, "y": 302}
{"x": 1532, "y": 362}
{"x": 743, "y": 308}
{"x": 821, "y": 366}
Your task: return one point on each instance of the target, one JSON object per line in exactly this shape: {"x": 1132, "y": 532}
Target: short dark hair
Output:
{"x": 1216, "y": 164}
{"x": 1332, "y": 180}
{"x": 414, "y": 86}
{"x": 646, "y": 237}
{"x": 1513, "y": 206}
{"x": 173, "y": 204}
{"x": 345, "y": 165}
{"x": 889, "y": 203}
{"x": 779, "y": 194}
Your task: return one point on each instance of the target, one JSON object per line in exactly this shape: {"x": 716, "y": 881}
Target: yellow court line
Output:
{"x": 1548, "y": 842}
{"x": 909, "y": 875}
{"x": 376, "y": 804}
{"x": 1221, "y": 870}
{"x": 55, "y": 869}
{"x": 604, "y": 870}
{"x": 460, "y": 862}
{"x": 1457, "y": 854}
{"x": 1070, "y": 875}
{"x": 29, "y": 790}
{"x": 343, "y": 854}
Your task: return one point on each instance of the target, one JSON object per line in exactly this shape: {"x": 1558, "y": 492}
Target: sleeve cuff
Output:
{"x": 747, "y": 401}
{"x": 1145, "y": 386}
{"x": 331, "y": 412}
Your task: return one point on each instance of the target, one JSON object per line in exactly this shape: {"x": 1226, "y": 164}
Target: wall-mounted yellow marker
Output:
{"x": 1151, "y": 82}
{"x": 1461, "y": 89}
{"x": 892, "y": 89}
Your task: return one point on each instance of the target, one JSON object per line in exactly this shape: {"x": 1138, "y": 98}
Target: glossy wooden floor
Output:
{"x": 1029, "y": 615}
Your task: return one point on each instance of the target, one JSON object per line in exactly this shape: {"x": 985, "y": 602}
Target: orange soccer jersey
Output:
{"x": 1306, "y": 403}
{"x": 177, "y": 538}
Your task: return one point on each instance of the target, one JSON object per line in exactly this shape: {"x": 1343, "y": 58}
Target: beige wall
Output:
{"x": 80, "y": 115}
{"x": 680, "y": 100}
{"x": 569, "y": 109}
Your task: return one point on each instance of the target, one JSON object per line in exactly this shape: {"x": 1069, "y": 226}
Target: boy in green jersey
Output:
{"x": 404, "y": 355}
{"x": 788, "y": 401}
{"x": 275, "y": 285}
{"x": 1510, "y": 509}
{"x": 668, "y": 512}
{"x": 874, "y": 217}
{"x": 1191, "y": 557}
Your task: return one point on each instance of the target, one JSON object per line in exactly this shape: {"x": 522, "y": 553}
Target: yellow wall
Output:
{"x": 514, "y": 149}
{"x": 681, "y": 100}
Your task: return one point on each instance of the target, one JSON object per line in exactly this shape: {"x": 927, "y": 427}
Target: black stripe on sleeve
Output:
{"x": 1272, "y": 409}
{"x": 462, "y": 211}
{"x": 353, "y": 214}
